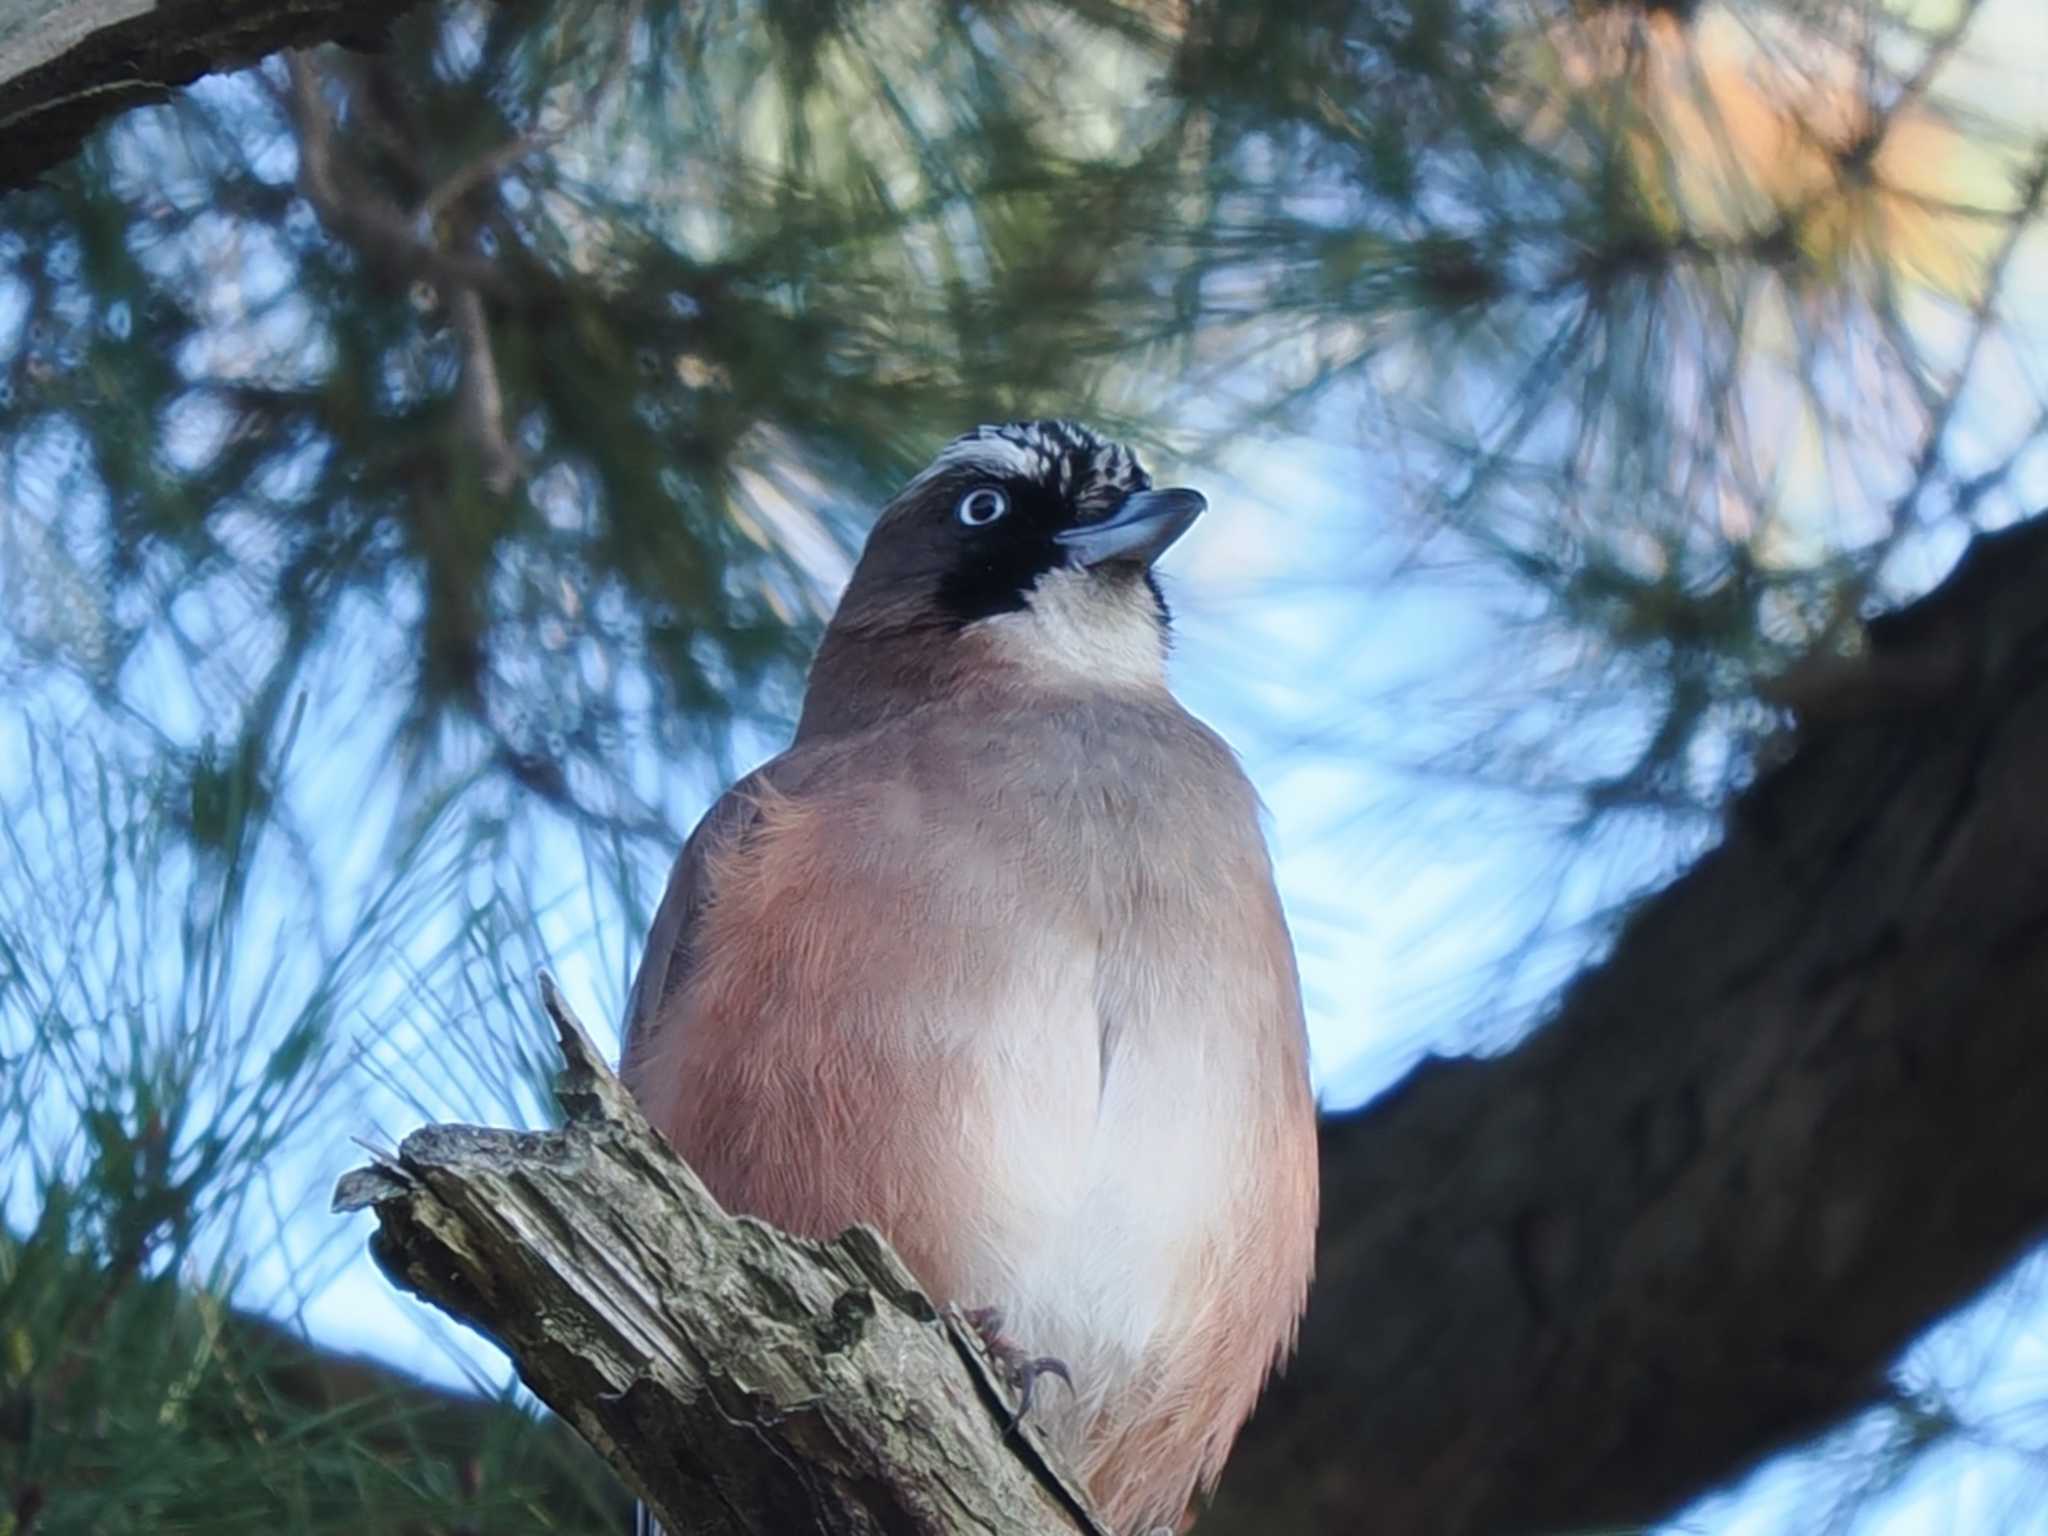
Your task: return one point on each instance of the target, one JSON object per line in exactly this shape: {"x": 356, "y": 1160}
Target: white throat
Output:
{"x": 1079, "y": 629}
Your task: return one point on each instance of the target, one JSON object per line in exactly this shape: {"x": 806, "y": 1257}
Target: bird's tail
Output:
{"x": 645, "y": 1524}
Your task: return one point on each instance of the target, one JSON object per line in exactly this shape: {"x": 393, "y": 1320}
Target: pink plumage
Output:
{"x": 992, "y": 959}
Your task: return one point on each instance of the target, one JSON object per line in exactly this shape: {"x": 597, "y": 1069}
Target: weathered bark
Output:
{"x": 1798, "y": 1114}
{"x": 67, "y": 64}
{"x": 741, "y": 1380}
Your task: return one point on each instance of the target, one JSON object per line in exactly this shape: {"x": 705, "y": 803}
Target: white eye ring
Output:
{"x": 981, "y": 506}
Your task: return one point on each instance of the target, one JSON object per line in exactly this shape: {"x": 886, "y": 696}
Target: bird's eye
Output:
{"x": 981, "y": 506}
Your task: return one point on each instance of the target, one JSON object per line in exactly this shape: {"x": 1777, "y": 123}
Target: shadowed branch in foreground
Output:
{"x": 68, "y": 65}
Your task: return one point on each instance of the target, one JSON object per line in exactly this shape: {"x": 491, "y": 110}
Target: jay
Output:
{"x": 991, "y": 958}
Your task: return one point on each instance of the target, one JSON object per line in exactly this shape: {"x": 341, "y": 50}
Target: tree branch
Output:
{"x": 67, "y": 64}
{"x": 740, "y": 1380}
{"x": 360, "y": 215}
{"x": 1791, "y": 1121}
{"x": 411, "y": 246}
{"x": 501, "y": 158}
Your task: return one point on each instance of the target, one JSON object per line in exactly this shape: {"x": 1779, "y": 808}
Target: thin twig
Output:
{"x": 496, "y": 161}
{"x": 482, "y": 402}
{"x": 356, "y": 213}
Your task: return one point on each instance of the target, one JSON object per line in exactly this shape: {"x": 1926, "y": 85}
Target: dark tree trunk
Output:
{"x": 1799, "y": 1113}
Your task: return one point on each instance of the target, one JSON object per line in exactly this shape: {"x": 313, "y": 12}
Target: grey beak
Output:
{"x": 1138, "y": 531}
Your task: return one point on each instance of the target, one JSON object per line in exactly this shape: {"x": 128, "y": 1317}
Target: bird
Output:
{"x": 992, "y": 959}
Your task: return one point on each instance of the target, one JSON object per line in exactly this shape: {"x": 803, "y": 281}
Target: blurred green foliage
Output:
{"x": 176, "y": 1036}
{"x": 577, "y": 340}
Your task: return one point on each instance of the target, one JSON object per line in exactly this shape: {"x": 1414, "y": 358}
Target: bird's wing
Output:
{"x": 666, "y": 963}
{"x": 669, "y": 959}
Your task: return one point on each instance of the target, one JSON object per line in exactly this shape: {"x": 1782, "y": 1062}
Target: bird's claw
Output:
{"x": 1020, "y": 1369}
{"x": 1023, "y": 1375}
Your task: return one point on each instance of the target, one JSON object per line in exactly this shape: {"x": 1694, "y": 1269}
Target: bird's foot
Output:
{"x": 1018, "y": 1366}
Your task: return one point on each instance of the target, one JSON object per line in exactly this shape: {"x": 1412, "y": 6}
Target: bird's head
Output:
{"x": 1023, "y": 549}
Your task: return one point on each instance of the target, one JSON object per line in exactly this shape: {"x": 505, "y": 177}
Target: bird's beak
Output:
{"x": 1137, "y": 531}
